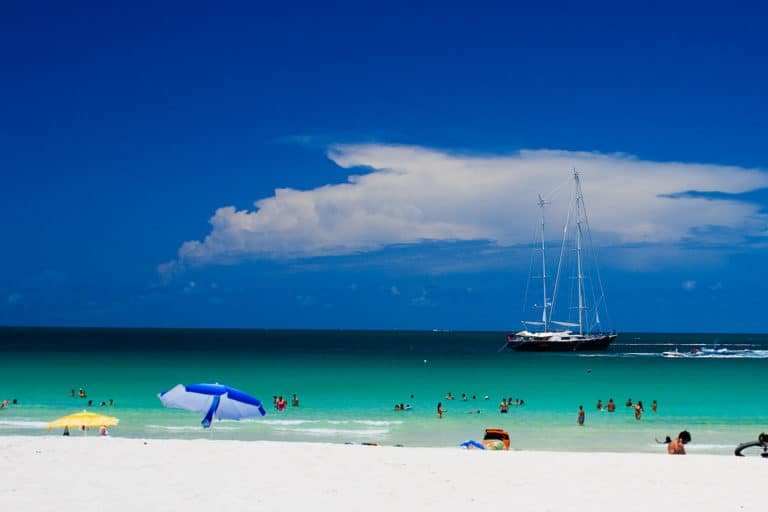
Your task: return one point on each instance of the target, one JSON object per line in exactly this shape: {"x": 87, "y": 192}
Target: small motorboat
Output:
{"x": 676, "y": 353}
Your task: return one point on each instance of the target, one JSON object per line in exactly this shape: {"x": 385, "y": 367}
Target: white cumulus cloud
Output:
{"x": 409, "y": 194}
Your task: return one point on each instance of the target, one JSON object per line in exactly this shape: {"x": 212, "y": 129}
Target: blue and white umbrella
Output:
{"x": 215, "y": 400}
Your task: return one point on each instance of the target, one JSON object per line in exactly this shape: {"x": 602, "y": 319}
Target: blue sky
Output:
{"x": 376, "y": 166}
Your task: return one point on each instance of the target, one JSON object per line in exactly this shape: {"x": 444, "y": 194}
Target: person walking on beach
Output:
{"x": 580, "y": 417}
{"x": 677, "y": 446}
{"x": 440, "y": 410}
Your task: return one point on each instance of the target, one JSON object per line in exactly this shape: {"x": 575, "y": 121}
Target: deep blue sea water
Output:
{"x": 349, "y": 381}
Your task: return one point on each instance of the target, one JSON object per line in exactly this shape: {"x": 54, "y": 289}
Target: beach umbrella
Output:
{"x": 84, "y": 419}
{"x": 215, "y": 400}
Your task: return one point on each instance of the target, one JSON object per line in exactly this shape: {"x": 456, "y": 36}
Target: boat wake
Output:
{"x": 720, "y": 354}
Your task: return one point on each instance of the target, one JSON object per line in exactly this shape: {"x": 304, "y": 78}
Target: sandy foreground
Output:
{"x": 97, "y": 474}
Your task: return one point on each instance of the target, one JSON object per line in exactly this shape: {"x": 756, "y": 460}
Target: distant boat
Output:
{"x": 584, "y": 332}
{"x": 676, "y": 353}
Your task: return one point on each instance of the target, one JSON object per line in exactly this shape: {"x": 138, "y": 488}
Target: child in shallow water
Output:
{"x": 677, "y": 446}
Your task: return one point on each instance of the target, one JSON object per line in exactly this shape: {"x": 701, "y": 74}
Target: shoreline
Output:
{"x": 88, "y": 473}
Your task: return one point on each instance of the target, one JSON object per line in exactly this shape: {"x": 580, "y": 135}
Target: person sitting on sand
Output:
{"x": 677, "y": 447}
{"x": 610, "y": 406}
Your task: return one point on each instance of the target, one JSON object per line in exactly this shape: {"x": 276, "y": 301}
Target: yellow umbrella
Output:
{"x": 84, "y": 419}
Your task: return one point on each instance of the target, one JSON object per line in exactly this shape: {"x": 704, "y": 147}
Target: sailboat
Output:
{"x": 581, "y": 328}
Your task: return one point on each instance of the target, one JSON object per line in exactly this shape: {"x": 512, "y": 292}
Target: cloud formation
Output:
{"x": 410, "y": 194}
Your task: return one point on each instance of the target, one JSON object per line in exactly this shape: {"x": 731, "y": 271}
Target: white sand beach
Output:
{"x": 56, "y": 473}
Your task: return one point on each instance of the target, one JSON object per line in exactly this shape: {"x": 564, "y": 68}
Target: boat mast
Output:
{"x": 544, "y": 319}
{"x": 580, "y": 274}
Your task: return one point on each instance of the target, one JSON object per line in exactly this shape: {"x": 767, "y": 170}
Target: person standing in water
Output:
{"x": 638, "y": 409}
{"x": 440, "y": 410}
{"x": 580, "y": 417}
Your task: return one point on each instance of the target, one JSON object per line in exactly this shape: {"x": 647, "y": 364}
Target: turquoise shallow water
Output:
{"x": 349, "y": 381}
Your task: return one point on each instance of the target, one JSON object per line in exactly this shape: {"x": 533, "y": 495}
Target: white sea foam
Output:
{"x": 22, "y": 424}
{"x": 190, "y": 428}
{"x": 365, "y": 422}
{"x": 336, "y": 431}
{"x": 282, "y": 422}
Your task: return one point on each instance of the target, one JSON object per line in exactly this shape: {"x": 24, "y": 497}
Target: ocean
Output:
{"x": 348, "y": 383}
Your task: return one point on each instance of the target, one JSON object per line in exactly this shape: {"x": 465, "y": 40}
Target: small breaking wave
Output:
{"x": 282, "y": 422}
{"x": 190, "y": 428}
{"x": 336, "y": 431}
{"x": 22, "y": 424}
{"x": 365, "y": 422}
